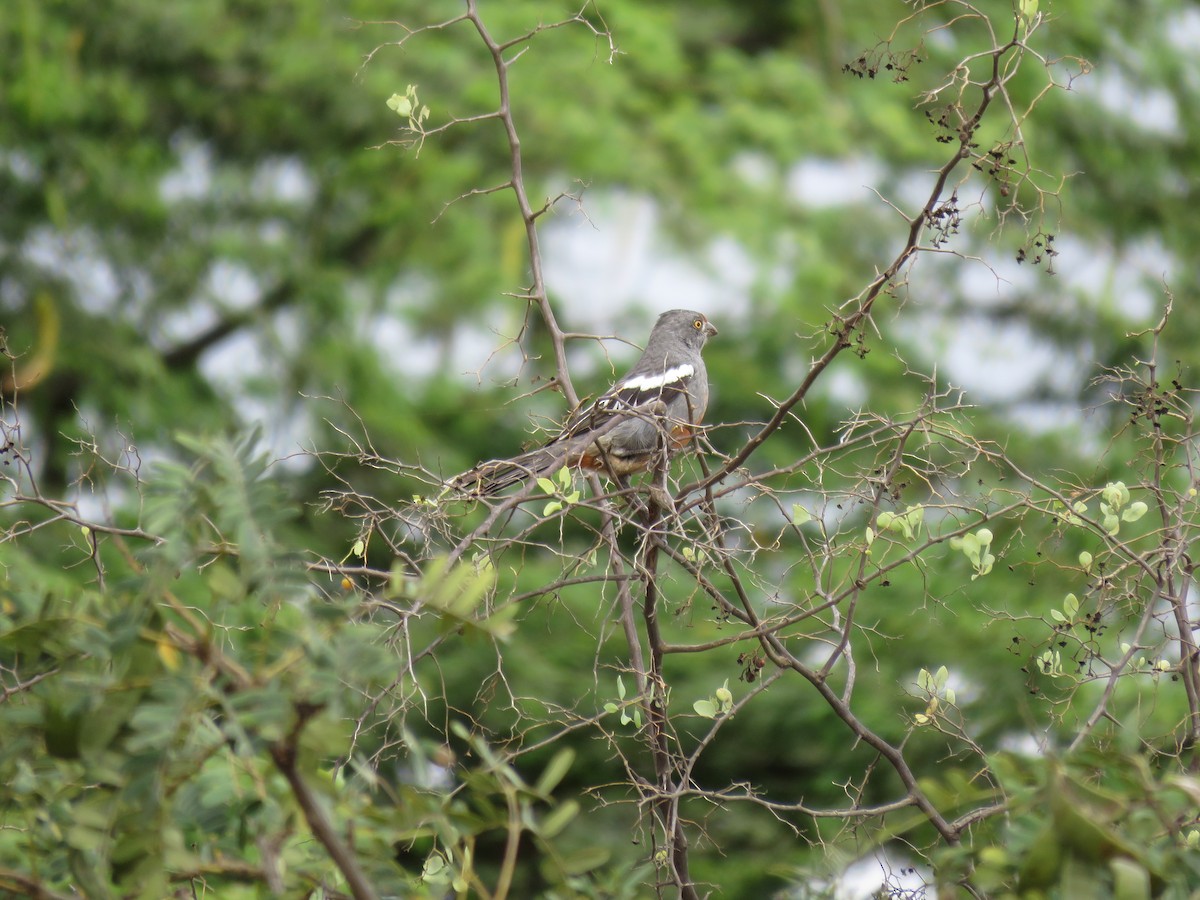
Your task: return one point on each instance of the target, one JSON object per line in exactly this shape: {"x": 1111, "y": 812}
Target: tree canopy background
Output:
{"x": 256, "y": 304}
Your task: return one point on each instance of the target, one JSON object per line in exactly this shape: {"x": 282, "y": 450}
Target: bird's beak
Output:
{"x": 710, "y": 329}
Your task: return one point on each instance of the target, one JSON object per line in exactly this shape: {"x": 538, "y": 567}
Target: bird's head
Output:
{"x": 687, "y": 325}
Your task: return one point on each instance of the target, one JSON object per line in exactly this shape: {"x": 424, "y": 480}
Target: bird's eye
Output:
{"x": 699, "y": 323}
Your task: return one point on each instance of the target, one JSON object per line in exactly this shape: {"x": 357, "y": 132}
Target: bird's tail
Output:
{"x": 496, "y": 475}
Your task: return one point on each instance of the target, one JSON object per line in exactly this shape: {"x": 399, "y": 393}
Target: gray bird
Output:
{"x": 663, "y": 395}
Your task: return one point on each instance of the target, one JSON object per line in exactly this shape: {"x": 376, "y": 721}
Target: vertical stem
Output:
{"x": 666, "y": 804}
{"x": 537, "y": 291}
{"x": 283, "y": 753}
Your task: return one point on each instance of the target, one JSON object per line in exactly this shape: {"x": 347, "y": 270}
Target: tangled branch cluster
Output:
{"x": 894, "y": 499}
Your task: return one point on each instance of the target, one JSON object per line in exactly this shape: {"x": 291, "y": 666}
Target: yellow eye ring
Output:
{"x": 699, "y": 323}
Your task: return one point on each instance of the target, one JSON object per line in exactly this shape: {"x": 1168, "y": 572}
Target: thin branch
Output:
{"x": 284, "y": 753}
{"x": 23, "y": 885}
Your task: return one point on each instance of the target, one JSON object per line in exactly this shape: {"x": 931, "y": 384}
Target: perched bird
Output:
{"x": 663, "y": 395}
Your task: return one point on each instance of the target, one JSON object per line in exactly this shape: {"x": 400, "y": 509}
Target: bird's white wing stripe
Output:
{"x": 662, "y": 379}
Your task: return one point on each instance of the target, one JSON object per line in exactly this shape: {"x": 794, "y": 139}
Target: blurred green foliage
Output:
{"x": 216, "y": 253}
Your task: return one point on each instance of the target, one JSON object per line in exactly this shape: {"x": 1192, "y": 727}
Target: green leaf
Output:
{"x": 705, "y": 708}
{"x": 501, "y": 624}
{"x": 1070, "y": 606}
{"x": 1116, "y": 494}
{"x": 1130, "y": 880}
{"x": 800, "y": 514}
{"x": 435, "y": 870}
{"x": 1135, "y": 511}
{"x": 85, "y": 838}
{"x": 400, "y": 104}
{"x": 552, "y": 507}
{"x": 558, "y": 819}
{"x": 581, "y": 861}
{"x": 555, "y": 771}
{"x": 969, "y": 543}
{"x": 547, "y": 485}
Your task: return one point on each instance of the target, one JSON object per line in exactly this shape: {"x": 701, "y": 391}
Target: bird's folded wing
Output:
{"x": 634, "y": 395}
